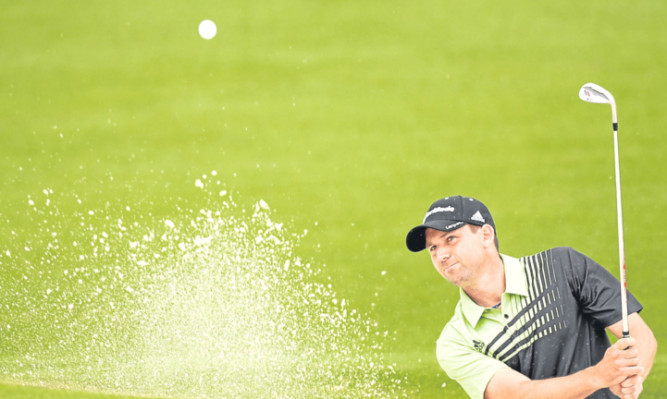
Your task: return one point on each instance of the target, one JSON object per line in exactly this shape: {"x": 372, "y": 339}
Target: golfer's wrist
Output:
{"x": 594, "y": 378}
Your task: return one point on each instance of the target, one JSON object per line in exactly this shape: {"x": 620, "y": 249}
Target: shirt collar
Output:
{"x": 515, "y": 284}
{"x": 515, "y": 278}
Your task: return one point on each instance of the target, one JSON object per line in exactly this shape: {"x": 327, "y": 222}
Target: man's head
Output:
{"x": 448, "y": 214}
{"x": 459, "y": 234}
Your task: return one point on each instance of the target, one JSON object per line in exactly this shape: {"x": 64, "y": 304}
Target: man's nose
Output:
{"x": 443, "y": 254}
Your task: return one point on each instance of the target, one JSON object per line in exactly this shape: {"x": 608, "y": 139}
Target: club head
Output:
{"x": 595, "y": 94}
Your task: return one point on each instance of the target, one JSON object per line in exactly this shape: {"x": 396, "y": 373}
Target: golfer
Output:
{"x": 530, "y": 327}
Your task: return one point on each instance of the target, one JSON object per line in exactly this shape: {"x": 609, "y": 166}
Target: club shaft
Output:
{"x": 621, "y": 249}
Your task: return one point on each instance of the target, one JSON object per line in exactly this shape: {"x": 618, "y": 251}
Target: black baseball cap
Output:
{"x": 449, "y": 214}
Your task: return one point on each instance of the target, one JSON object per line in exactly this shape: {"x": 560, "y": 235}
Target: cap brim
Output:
{"x": 416, "y": 238}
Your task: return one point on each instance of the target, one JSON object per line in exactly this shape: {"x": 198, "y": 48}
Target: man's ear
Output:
{"x": 488, "y": 235}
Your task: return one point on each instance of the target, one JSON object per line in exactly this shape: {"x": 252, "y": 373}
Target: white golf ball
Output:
{"x": 207, "y": 29}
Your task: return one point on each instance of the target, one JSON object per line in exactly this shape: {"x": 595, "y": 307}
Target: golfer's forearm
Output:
{"x": 647, "y": 346}
{"x": 508, "y": 384}
{"x": 575, "y": 386}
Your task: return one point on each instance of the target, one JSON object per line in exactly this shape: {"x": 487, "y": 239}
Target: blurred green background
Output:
{"x": 349, "y": 118}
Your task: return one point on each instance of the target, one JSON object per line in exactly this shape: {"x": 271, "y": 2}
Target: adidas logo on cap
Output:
{"x": 478, "y": 217}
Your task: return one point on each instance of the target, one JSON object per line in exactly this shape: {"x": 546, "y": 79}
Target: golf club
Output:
{"x": 595, "y": 94}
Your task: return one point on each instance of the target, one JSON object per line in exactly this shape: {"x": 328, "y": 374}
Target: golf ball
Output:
{"x": 207, "y": 29}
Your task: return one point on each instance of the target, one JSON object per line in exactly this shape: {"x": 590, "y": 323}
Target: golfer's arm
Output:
{"x": 508, "y": 383}
{"x": 646, "y": 343}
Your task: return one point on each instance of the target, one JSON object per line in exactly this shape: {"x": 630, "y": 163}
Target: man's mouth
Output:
{"x": 448, "y": 266}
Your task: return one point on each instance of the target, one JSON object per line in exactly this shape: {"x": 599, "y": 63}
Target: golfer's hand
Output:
{"x": 619, "y": 369}
{"x": 630, "y": 388}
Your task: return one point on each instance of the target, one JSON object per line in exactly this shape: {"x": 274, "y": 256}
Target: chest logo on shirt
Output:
{"x": 478, "y": 345}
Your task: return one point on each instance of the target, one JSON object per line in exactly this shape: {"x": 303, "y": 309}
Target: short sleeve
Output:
{"x": 470, "y": 368}
{"x": 596, "y": 289}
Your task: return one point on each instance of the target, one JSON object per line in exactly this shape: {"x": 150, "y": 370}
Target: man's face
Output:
{"x": 457, "y": 255}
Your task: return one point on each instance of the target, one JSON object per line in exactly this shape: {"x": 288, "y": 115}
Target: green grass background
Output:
{"x": 349, "y": 118}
